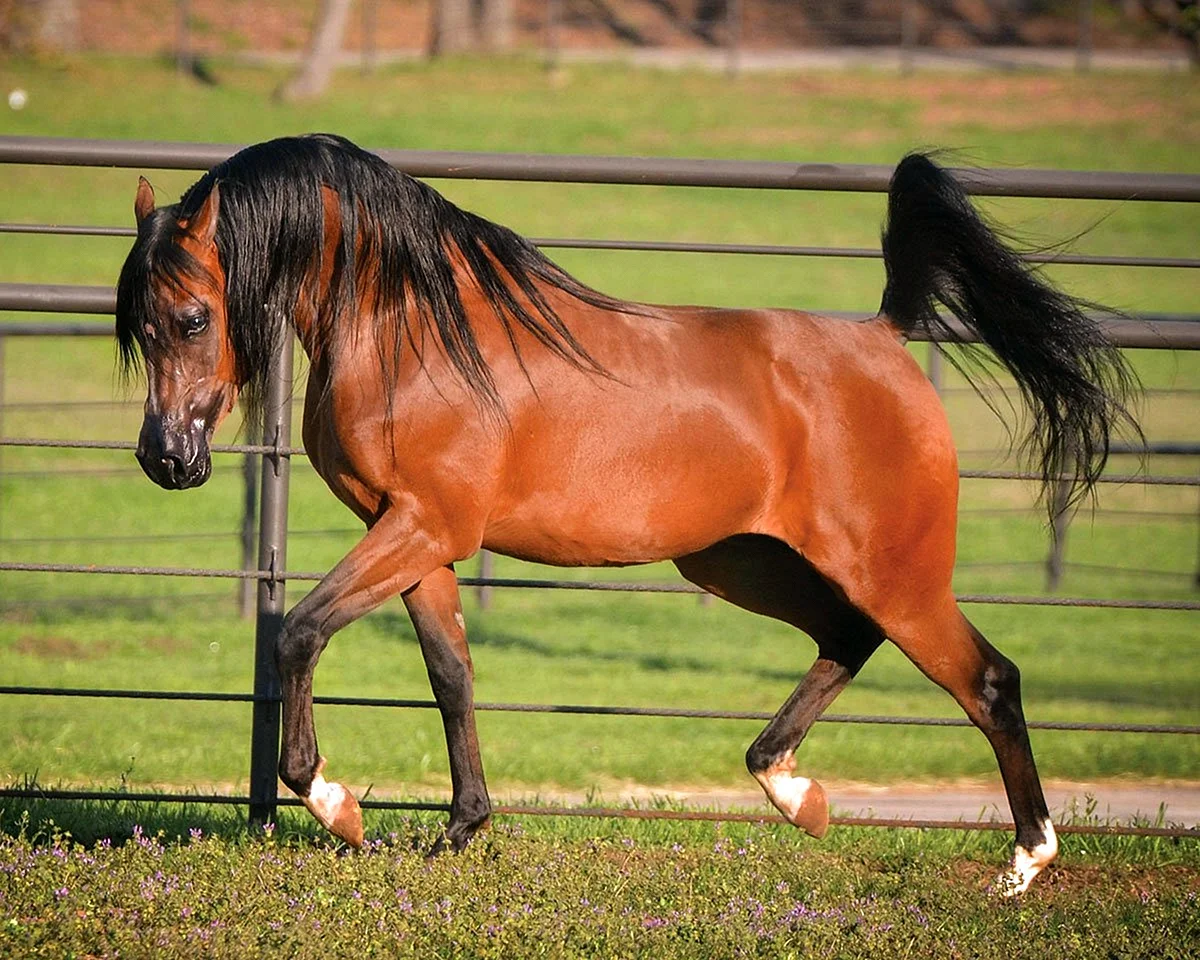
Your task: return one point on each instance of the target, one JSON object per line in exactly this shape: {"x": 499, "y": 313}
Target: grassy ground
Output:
{"x": 1099, "y": 665}
{"x": 91, "y": 881}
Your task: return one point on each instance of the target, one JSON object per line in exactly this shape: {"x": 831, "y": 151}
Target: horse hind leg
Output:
{"x": 948, "y": 649}
{"x": 766, "y": 576}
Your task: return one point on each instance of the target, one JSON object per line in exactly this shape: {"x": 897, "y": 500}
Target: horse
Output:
{"x": 465, "y": 392}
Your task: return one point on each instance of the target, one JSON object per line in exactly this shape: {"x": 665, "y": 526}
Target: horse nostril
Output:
{"x": 175, "y": 467}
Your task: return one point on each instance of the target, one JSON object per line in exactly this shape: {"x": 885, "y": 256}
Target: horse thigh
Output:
{"x": 766, "y": 576}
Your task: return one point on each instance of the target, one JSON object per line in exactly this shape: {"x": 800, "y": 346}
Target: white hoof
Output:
{"x": 1027, "y": 864}
{"x": 336, "y": 809}
{"x": 799, "y": 799}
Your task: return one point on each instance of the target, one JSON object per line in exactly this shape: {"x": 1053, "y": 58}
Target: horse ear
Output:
{"x": 203, "y": 226}
{"x": 143, "y": 204}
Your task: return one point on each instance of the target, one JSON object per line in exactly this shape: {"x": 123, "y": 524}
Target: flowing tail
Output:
{"x": 1077, "y": 385}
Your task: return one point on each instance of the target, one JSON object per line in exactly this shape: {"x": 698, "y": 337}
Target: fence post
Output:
{"x": 934, "y": 369}
{"x": 1055, "y": 561}
{"x": 1083, "y": 44}
{"x": 908, "y": 35}
{"x": 486, "y": 568}
{"x": 369, "y": 28}
{"x": 247, "y": 589}
{"x": 553, "y": 30}
{"x": 734, "y": 18}
{"x": 183, "y": 36}
{"x": 272, "y": 555}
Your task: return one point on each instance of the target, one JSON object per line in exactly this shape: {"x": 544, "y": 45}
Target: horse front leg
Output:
{"x": 394, "y": 555}
{"x": 436, "y": 612}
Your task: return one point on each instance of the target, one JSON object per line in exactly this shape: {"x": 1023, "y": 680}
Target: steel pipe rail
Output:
{"x": 679, "y": 246}
{"x": 610, "y": 586}
{"x": 1146, "y": 330}
{"x": 584, "y": 709}
{"x": 681, "y": 172}
{"x": 609, "y": 813}
{"x": 1161, "y": 480}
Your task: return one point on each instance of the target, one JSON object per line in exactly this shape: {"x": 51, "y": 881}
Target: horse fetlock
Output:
{"x": 298, "y": 773}
{"x": 1027, "y": 863}
{"x": 801, "y": 800}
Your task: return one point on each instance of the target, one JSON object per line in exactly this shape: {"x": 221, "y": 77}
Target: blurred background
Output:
{"x": 385, "y": 30}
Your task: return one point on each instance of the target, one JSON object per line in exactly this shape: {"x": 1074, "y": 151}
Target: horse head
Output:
{"x": 171, "y": 309}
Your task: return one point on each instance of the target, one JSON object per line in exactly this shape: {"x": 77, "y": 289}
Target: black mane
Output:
{"x": 396, "y": 243}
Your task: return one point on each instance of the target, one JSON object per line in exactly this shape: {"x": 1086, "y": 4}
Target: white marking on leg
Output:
{"x": 785, "y": 791}
{"x": 1027, "y": 864}
{"x": 458, "y": 618}
{"x": 799, "y": 799}
{"x": 324, "y": 800}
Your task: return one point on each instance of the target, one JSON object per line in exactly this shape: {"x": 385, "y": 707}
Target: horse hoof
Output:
{"x": 1027, "y": 864}
{"x": 800, "y": 800}
{"x": 336, "y": 809}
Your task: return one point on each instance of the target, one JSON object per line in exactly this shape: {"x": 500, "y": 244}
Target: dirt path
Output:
{"x": 1113, "y": 800}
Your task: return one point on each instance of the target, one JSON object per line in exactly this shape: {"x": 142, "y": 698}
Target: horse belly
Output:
{"x": 604, "y": 500}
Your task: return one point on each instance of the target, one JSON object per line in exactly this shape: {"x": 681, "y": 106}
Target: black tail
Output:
{"x": 937, "y": 248}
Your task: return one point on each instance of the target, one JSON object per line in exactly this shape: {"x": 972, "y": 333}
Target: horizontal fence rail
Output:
{"x": 1167, "y": 480}
{"x": 612, "y": 813}
{"x": 679, "y": 246}
{"x": 1147, "y": 330}
{"x": 584, "y": 709}
{"x": 609, "y": 586}
{"x": 270, "y": 575}
{"x": 650, "y": 171}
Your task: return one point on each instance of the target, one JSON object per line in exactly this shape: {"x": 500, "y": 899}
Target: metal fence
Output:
{"x": 271, "y": 572}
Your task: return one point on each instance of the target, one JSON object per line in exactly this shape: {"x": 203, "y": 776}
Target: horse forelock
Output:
{"x": 156, "y": 261}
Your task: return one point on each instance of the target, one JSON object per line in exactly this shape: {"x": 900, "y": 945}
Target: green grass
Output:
{"x": 533, "y": 646}
{"x": 88, "y": 880}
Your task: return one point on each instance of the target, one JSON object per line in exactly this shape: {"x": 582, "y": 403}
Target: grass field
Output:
{"x": 95, "y": 881}
{"x": 158, "y": 634}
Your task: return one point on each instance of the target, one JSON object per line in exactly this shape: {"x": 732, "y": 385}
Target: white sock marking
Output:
{"x": 325, "y": 799}
{"x": 1027, "y": 864}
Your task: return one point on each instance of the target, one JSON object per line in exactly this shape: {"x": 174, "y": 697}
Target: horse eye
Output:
{"x": 195, "y": 323}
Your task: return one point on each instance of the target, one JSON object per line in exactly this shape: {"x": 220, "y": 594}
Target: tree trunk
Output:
{"x": 33, "y": 26}
{"x": 317, "y": 68}
{"x": 453, "y": 27}
{"x": 496, "y": 24}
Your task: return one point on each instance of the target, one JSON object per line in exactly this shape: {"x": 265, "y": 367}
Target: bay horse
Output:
{"x": 465, "y": 392}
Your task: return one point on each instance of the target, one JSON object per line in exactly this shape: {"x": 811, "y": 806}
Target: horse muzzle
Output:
{"x": 174, "y": 455}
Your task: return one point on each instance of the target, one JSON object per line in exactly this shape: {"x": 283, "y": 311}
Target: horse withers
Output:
{"x": 465, "y": 392}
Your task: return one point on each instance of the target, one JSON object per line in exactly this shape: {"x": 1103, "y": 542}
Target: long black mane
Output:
{"x": 397, "y": 240}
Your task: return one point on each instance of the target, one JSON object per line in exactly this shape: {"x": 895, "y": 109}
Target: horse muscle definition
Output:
{"x": 464, "y": 392}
